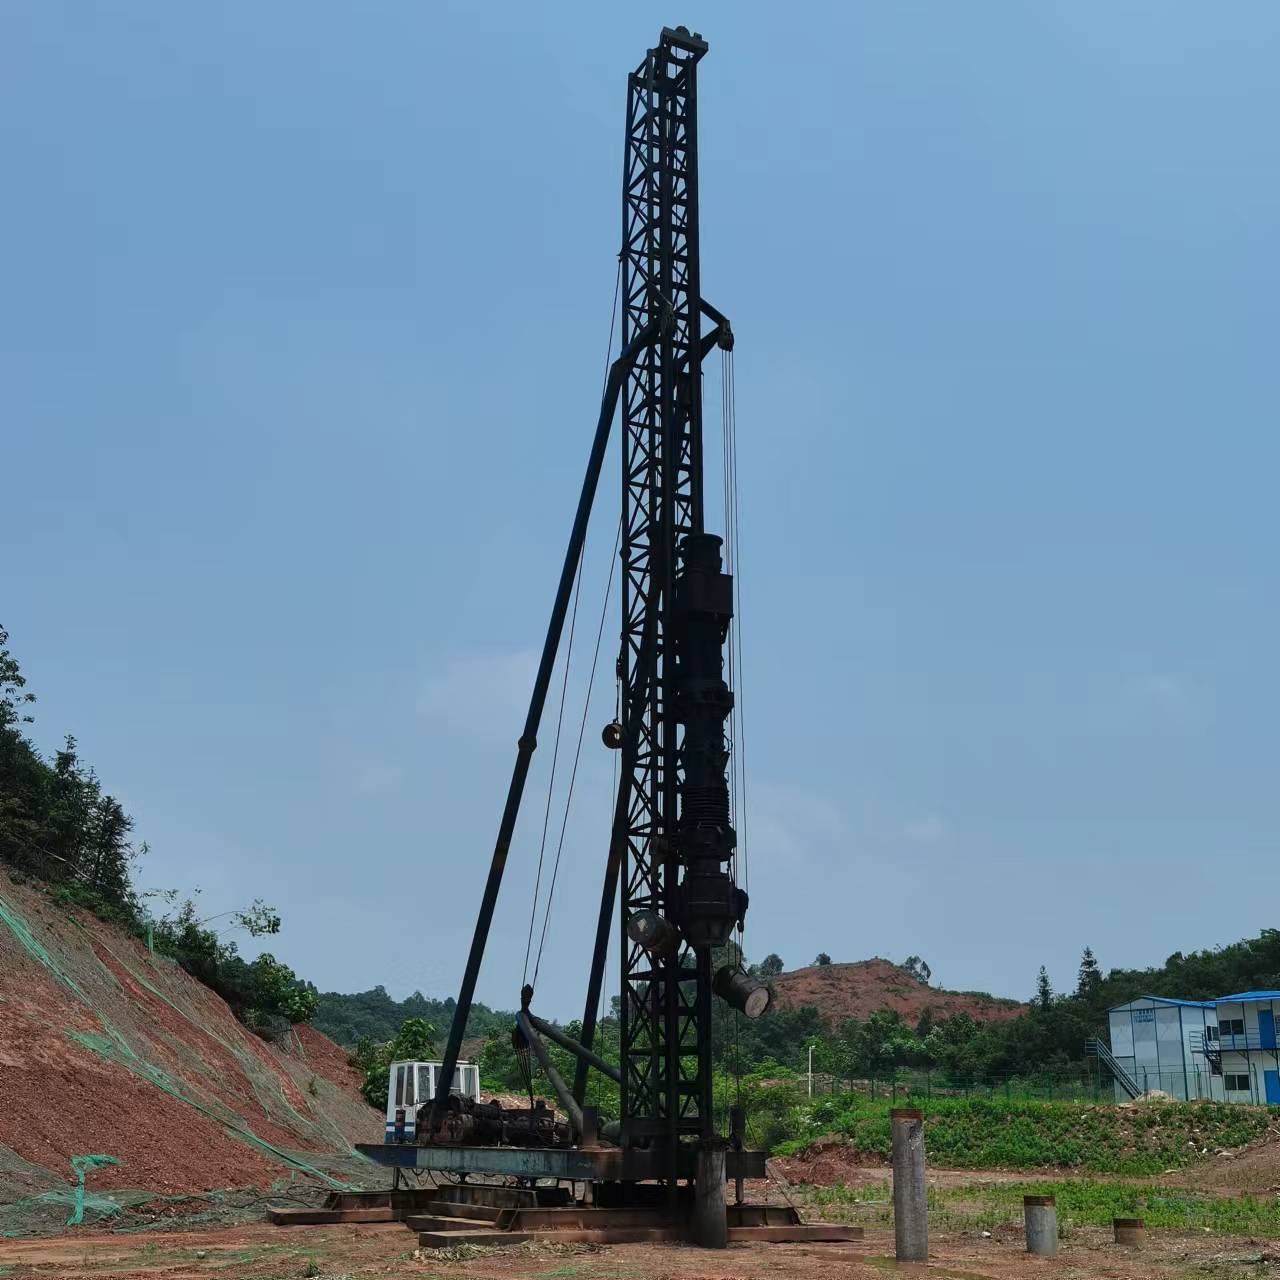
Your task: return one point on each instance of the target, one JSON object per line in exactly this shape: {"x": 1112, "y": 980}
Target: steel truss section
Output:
{"x": 665, "y": 1025}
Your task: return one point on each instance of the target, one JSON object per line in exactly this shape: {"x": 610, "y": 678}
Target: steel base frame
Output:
{"x": 575, "y": 1164}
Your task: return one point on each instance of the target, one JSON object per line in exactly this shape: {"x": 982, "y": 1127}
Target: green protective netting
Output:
{"x": 81, "y": 1165}
{"x": 115, "y": 1049}
{"x": 115, "y": 1045}
{"x": 275, "y": 1093}
{"x": 24, "y": 935}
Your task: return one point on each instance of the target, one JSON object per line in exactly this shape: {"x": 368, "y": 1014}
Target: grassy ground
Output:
{"x": 987, "y": 1133}
{"x": 991, "y": 1206}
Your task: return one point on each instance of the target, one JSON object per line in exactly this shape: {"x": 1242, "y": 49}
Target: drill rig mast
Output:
{"x": 671, "y": 836}
{"x": 669, "y": 887}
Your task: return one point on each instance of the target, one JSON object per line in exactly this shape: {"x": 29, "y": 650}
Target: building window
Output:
{"x": 1237, "y": 1084}
{"x": 1231, "y": 1026}
{"x": 1210, "y": 1032}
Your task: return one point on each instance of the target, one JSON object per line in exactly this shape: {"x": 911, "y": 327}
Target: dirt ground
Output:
{"x": 263, "y": 1252}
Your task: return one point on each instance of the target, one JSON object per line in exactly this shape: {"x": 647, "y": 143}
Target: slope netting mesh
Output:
{"x": 129, "y": 1095}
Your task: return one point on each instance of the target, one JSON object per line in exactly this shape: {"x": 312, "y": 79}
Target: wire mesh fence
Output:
{"x": 907, "y": 1082}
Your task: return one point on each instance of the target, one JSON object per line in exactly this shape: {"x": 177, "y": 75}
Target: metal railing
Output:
{"x": 1231, "y": 1044}
{"x": 1099, "y": 1049}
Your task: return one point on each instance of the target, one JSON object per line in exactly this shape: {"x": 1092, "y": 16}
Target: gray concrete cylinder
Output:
{"x": 910, "y": 1193}
{"x": 1130, "y": 1231}
{"x": 710, "y": 1215}
{"x": 1041, "y": 1216}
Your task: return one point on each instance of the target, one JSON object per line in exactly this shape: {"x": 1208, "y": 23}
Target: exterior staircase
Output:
{"x": 1099, "y": 1049}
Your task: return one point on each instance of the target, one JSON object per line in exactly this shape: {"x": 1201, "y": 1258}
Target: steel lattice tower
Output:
{"x": 664, "y": 1030}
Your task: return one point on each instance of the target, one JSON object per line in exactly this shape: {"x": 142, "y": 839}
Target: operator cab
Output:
{"x": 413, "y": 1084}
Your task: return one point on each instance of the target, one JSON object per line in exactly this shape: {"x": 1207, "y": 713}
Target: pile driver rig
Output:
{"x": 669, "y": 885}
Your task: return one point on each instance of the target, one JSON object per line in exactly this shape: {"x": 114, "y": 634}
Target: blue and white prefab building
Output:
{"x": 1246, "y": 1046}
{"x": 1152, "y": 1047}
{"x": 1223, "y": 1049}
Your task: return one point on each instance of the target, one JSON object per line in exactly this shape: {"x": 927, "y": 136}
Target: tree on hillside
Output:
{"x": 414, "y": 1042}
{"x": 1090, "y": 976}
{"x": 823, "y": 958}
{"x": 770, "y": 966}
{"x": 918, "y": 969}
{"x": 1044, "y": 991}
{"x": 13, "y": 699}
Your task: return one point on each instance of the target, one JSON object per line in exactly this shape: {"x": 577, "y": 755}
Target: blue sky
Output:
{"x": 305, "y": 312}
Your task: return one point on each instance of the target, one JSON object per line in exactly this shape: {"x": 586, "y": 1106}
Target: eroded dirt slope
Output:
{"x": 857, "y": 990}
{"x": 106, "y": 1049}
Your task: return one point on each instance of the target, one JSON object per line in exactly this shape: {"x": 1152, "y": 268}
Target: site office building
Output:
{"x": 1224, "y": 1049}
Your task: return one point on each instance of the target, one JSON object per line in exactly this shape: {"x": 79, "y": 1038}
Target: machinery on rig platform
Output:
{"x": 669, "y": 887}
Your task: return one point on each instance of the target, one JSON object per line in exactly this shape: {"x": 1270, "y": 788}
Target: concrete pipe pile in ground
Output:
{"x": 1040, "y": 1214}
{"x": 910, "y": 1193}
{"x": 1131, "y": 1232}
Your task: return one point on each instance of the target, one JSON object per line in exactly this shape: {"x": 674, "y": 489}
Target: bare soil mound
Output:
{"x": 857, "y": 990}
{"x": 106, "y": 1049}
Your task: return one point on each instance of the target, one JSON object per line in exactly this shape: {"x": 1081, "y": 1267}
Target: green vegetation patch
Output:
{"x": 990, "y": 1206}
{"x": 988, "y": 1133}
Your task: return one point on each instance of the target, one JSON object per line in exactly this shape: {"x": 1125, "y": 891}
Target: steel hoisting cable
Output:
{"x": 740, "y": 694}
{"x": 555, "y": 755}
{"x": 737, "y": 719}
{"x": 577, "y": 754}
{"x": 551, "y": 782}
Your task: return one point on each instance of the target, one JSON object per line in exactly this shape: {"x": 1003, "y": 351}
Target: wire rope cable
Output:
{"x": 555, "y": 753}
{"x": 740, "y": 858}
{"x": 555, "y": 756}
{"x": 577, "y": 754}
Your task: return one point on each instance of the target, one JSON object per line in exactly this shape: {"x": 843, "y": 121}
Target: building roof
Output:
{"x": 1245, "y": 996}
{"x": 1189, "y": 1004}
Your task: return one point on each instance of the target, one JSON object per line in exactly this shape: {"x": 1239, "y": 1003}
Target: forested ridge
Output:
{"x": 349, "y": 1018}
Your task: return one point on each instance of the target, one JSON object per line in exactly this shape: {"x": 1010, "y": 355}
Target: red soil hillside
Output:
{"x": 857, "y": 990}
{"x": 106, "y": 1049}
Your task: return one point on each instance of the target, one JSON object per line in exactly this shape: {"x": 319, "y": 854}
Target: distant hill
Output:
{"x": 857, "y": 990}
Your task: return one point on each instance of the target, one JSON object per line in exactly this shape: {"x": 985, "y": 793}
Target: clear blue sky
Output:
{"x": 304, "y": 316}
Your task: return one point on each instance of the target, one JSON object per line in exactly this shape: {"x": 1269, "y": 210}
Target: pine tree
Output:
{"x": 1090, "y": 976}
{"x": 1044, "y": 991}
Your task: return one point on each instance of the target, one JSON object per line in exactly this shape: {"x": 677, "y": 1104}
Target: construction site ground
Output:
{"x": 262, "y": 1252}
{"x": 975, "y": 1234}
